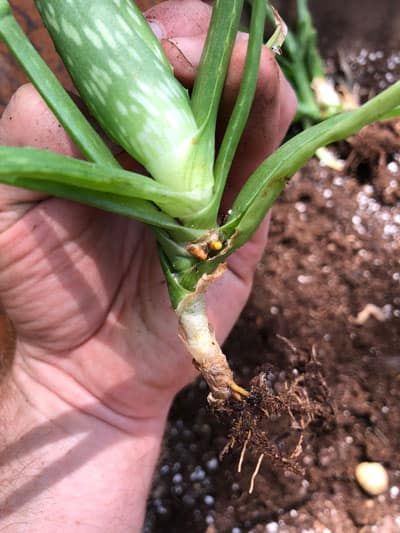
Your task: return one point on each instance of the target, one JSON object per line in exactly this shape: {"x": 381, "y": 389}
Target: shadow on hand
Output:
{"x": 24, "y": 479}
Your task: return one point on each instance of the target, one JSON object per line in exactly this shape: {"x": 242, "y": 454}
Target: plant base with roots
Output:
{"x": 266, "y": 422}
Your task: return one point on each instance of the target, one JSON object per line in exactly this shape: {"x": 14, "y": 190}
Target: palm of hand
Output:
{"x": 84, "y": 288}
{"x": 86, "y": 294}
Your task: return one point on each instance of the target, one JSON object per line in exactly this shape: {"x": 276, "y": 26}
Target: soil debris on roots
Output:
{"x": 270, "y": 424}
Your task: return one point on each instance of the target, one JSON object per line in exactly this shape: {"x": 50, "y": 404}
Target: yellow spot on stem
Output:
{"x": 216, "y": 246}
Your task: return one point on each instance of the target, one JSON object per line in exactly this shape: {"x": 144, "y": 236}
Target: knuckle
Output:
{"x": 22, "y": 98}
{"x": 25, "y": 104}
{"x": 181, "y": 17}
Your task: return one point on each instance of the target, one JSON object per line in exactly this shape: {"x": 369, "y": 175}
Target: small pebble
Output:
{"x": 208, "y": 500}
{"x": 372, "y": 477}
{"x": 212, "y": 464}
{"x": 209, "y": 519}
{"x": 177, "y": 478}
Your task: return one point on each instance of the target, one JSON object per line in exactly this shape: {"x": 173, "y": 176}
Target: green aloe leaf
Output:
{"x": 21, "y": 163}
{"x": 269, "y": 179}
{"x": 121, "y": 72}
{"x": 214, "y": 63}
{"x": 240, "y": 113}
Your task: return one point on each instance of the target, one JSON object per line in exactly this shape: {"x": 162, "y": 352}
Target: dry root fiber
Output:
{"x": 272, "y": 422}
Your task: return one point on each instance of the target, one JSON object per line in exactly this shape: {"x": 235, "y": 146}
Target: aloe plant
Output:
{"x": 302, "y": 64}
{"x": 181, "y": 199}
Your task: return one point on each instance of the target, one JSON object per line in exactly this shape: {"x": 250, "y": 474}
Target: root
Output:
{"x": 255, "y": 473}
{"x": 243, "y": 452}
{"x": 238, "y": 393}
{"x": 273, "y": 422}
{"x": 270, "y": 421}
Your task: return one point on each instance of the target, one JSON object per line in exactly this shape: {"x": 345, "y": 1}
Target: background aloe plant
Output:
{"x": 181, "y": 198}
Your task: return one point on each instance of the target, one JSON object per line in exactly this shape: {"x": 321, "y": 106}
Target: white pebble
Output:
{"x": 208, "y": 500}
{"x": 212, "y": 464}
{"x": 372, "y": 477}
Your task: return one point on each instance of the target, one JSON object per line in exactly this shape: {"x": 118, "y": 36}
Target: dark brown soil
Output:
{"x": 334, "y": 249}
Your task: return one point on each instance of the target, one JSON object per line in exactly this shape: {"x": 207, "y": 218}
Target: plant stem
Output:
{"x": 202, "y": 345}
{"x": 214, "y": 63}
{"x": 240, "y": 113}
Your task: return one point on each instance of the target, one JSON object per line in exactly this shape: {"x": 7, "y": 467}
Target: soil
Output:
{"x": 333, "y": 250}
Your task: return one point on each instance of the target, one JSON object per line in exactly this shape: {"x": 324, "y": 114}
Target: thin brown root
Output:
{"x": 287, "y": 342}
{"x": 299, "y": 448}
{"x": 255, "y": 473}
{"x": 275, "y": 419}
{"x": 228, "y": 446}
{"x": 243, "y": 452}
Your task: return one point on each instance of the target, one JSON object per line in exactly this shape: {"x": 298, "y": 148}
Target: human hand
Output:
{"x": 84, "y": 288}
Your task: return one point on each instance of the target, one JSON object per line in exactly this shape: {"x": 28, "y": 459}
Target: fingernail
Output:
{"x": 158, "y": 30}
{"x": 242, "y": 36}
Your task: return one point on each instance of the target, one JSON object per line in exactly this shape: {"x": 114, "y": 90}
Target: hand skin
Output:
{"x": 98, "y": 360}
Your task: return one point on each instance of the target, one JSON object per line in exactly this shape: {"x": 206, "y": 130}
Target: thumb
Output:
{"x": 27, "y": 121}
{"x": 179, "y": 18}
{"x": 181, "y": 26}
